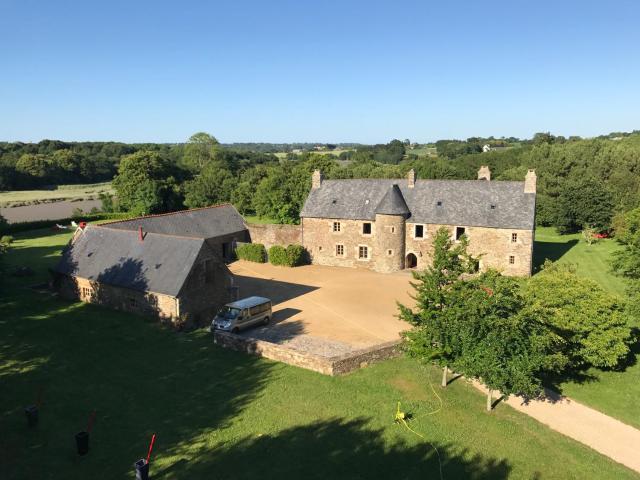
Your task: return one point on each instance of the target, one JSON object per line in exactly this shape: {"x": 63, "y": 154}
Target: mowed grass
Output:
{"x": 225, "y": 415}
{"x": 614, "y": 392}
{"x": 60, "y": 192}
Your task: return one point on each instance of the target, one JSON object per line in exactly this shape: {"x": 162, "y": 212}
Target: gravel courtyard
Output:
{"x": 327, "y": 311}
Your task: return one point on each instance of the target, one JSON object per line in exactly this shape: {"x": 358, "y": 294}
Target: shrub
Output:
{"x": 292, "y": 256}
{"x": 252, "y": 252}
{"x": 278, "y": 256}
{"x": 296, "y": 255}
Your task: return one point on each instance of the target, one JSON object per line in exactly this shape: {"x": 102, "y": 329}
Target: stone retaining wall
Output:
{"x": 339, "y": 365}
{"x": 271, "y": 234}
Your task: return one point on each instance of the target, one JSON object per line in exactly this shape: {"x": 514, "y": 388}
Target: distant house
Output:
{"x": 388, "y": 225}
{"x": 170, "y": 266}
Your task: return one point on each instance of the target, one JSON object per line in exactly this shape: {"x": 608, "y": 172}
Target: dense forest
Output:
{"x": 580, "y": 181}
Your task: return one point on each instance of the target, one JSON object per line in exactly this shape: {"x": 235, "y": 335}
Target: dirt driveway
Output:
{"x": 344, "y": 305}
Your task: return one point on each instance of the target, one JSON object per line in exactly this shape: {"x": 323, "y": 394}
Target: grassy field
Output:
{"x": 60, "y": 192}
{"x": 258, "y": 220}
{"x": 613, "y": 392}
{"x": 221, "y": 414}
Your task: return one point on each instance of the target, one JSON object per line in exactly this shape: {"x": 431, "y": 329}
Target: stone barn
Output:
{"x": 171, "y": 266}
{"x": 388, "y": 225}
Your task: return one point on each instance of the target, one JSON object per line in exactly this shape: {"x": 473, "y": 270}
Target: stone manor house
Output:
{"x": 388, "y": 225}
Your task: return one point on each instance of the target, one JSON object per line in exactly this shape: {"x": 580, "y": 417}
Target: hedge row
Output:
{"x": 252, "y": 252}
{"x": 37, "y": 224}
{"x": 292, "y": 256}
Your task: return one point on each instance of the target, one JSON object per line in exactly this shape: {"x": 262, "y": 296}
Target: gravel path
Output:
{"x": 605, "y": 434}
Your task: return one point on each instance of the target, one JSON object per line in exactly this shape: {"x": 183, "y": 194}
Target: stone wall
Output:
{"x": 143, "y": 303}
{"x": 326, "y": 365}
{"x": 271, "y": 234}
{"x": 493, "y": 245}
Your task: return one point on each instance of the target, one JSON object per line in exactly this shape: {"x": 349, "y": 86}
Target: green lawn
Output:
{"x": 60, "y": 192}
{"x": 615, "y": 393}
{"x": 221, "y": 414}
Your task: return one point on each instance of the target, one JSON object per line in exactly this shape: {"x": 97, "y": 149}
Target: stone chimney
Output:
{"x": 484, "y": 173}
{"x": 530, "y": 182}
{"x": 316, "y": 179}
{"x": 411, "y": 178}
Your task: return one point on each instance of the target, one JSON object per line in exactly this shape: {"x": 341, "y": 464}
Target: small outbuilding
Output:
{"x": 171, "y": 266}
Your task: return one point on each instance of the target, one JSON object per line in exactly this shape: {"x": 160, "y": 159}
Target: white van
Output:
{"x": 242, "y": 314}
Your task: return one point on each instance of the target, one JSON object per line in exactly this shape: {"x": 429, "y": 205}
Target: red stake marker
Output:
{"x": 92, "y": 418}
{"x": 153, "y": 439}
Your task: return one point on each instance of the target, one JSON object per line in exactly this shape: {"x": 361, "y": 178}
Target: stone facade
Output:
{"x": 393, "y": 244}
{"x": 270, "y": 235}
{"x": 388, "y": 239}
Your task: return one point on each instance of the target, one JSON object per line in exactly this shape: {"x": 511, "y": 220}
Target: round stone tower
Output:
{"x": 391, "y": 215}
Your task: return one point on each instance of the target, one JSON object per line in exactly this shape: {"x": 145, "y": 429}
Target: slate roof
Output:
{"x": 482, "y": 203}
{"x": 393, "y": 203}
{"x": 208, "y": 222}
{"x": 160, "y": 263}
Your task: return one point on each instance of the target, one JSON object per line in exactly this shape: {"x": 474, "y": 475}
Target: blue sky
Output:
{"x": 327, "y": 71}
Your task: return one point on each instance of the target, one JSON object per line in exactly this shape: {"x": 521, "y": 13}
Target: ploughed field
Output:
{"x": 223, "y": 414}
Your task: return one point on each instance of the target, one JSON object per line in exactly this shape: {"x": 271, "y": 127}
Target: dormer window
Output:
{"x": 493, "y": 207}
{"x": 439, "y": 203}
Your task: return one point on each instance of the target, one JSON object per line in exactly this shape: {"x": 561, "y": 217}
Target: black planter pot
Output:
{"x": 32, "y": 415}
{"x": 82, "y": 442}
{"x": 142, "y": 469}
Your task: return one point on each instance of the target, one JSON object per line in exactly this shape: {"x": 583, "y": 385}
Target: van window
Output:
{"x": 258, "y": 309}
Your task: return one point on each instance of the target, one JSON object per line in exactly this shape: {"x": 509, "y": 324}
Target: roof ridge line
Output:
{"x": 146, "y": 232}
{"x": 176, "y": 212}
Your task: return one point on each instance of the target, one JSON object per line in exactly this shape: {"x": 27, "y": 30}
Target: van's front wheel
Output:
{"x": 266, "y": 321}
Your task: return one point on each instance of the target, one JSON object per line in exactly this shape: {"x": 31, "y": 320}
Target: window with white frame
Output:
{"x": 514, "y": 237}
{"x": 512, "y": 260}
{"x": 363, "y": 252}
{"x": 336, "y": 227}
{"x": 339, "y": 250}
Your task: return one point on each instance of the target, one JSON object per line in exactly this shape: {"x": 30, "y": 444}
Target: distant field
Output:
{"x": 612, "y": 392}
{"x": 422, "y": 151}
{"x": 60, "y": 192}
{"x": 336, "y": 152}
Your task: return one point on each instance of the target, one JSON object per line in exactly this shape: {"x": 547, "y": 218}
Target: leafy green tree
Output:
{"x": 201, "y": 148}
{"x": 584, "y": 201}
{"x": 473, "y": 324}
{"x": 214, "y": 185}
{"x": 590, "y": 325}
{"x": 626, "y": 262}
{"x": 34, "y": 165}
{"x": 434, "y": 336}
{"x": 146, "y": 183}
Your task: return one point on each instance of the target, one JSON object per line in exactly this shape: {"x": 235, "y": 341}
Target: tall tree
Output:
{"x": 201, "y": 148}
{"x": 146, "y": 183}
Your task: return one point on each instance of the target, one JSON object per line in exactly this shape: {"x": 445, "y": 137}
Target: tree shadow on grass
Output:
{"x": 550, "y": 250}
{"x": 335, "y": 449}
{"x": 140, "y": 377}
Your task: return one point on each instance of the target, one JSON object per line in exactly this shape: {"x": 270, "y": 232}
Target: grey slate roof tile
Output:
{"x": 393, "y": 203}
{"x": 160, "y": 263}
{"x": 462, "y": 202}
{"x": 205, "y": 222}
